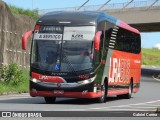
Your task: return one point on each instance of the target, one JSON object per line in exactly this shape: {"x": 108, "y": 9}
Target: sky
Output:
{"x": 148, "y": 39}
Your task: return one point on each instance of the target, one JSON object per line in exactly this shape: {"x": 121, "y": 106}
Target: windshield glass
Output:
{"x": 68, "y": 55}
{"x": 76, "y": 54}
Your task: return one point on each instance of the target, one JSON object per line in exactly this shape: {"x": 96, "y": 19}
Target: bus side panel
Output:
{"x": 123, "y": 68}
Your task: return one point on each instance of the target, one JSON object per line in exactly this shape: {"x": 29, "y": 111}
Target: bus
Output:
{"x": 84, "y": 54}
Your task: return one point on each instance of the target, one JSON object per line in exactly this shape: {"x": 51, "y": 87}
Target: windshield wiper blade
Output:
{"x": 71, "y": 67}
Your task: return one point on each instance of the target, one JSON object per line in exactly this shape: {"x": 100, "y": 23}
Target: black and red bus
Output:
{"x": 83, "y": 55}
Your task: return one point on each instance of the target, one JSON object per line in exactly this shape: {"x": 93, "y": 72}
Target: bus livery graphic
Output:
{"x": 83, "y": 55}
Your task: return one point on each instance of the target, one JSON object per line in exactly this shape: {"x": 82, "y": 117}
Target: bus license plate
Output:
{"x": 58, "y": 92}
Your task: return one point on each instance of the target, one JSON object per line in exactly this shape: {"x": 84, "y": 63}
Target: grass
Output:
{"x": 21, "y": 88}
{"x": 151, "y": 56}
{"x": 27, "y": 12}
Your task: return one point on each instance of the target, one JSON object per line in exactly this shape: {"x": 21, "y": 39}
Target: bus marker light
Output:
{"x": 37, "y": 27}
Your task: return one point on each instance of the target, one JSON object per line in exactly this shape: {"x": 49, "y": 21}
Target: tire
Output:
{"x": 50, "y": 100}
{"x": 102, "y": 99}
{"x": 129, "y": 94}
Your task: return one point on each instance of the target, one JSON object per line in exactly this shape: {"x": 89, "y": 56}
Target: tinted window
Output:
{"x": 127, "y": 41}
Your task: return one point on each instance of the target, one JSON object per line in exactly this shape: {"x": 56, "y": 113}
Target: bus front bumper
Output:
{"x": 74, "y": 90}
{"x": 61, "y": 93}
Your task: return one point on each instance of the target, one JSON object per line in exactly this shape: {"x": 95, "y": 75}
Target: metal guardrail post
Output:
{"x": 152, "y": 4}
{"x": 83, "y": 5}
{"x": 103, "y": 5}
{"x": 128, "y": 3}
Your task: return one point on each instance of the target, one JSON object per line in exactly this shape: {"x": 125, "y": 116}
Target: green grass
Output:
{"x": 150, "y": 56}
{"x": 27, "y": 12}
{"x": 21, "y": 88}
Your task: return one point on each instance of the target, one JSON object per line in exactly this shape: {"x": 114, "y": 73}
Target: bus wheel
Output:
{"x": 102, "y": 99}
{"x": 129, "y": 94}
{"x": 50, "y": 100}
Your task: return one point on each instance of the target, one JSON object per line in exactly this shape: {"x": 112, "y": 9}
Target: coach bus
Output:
{"x": 83, "y": 55}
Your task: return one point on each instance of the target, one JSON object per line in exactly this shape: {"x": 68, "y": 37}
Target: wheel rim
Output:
{"x": 130, "y": 89}
{"x": 103, "y": 91}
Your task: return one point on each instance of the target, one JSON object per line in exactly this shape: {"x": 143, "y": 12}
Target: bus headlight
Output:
{"x": 35, "y": 80}
{"x": 87, "y": 81}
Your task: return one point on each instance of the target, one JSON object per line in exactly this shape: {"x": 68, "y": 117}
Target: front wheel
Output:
{"x": 50, "y": 100}
{"x": 102, "y": 99}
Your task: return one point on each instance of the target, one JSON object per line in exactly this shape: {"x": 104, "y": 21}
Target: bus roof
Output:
{"x": 81, "y": 18}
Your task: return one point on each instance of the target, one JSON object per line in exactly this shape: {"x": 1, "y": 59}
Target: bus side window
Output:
{"x": 128, "y": 41}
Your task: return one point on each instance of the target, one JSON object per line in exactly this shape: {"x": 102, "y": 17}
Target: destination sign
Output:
{"x": 45, "y": 36}
{"x": 51, "y": 29}
{"x": 79, "y": 33}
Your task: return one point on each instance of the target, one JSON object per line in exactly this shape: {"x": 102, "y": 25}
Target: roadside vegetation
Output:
{"x": 151, "y": 56}
{"x": 21, "y": 11}
{"x": 13, "y": 80}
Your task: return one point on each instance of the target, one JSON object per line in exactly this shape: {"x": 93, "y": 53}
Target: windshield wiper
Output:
{"x": 71, "y": 67}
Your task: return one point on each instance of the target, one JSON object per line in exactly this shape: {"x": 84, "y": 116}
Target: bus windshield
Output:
{"x": 63, "y": 49}
{"x": 53, "y": 56}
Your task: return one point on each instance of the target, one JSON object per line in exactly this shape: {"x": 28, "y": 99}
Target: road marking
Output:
{"x": 145, "y": 107}
{"x": 129, "y": 105}
{"x": 152, "y": 105}
{"x": 125, "y": 109}
{"x": 6, "y": 97}
{"x": 12, "y": 98}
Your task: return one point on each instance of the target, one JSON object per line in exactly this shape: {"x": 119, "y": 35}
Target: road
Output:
{"x": 147, "y": 99}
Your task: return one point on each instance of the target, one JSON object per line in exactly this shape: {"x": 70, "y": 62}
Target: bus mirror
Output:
{"x": 25, "y": 39}
{"x": 97, "y": 40}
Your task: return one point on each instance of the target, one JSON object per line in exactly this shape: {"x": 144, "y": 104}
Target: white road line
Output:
{"x": 151, "y": 105}
{"x": 145, "y": 107}
{"x": 12, "y": 98}
{"x": 130, "y": 109}
{"x": 129, "y": 105}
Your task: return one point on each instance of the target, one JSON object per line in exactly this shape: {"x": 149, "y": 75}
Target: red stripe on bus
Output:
{"x": 117, "y": 92}
{"x": 45, "y": 78}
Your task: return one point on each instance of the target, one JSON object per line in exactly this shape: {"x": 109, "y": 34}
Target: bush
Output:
{"x": 21, "y": 11}
{"x": 11, "y": 75}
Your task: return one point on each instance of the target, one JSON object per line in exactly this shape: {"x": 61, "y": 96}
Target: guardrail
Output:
{"x": 117, "y": 6}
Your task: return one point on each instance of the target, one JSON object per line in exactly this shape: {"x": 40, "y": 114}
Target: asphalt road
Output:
{"x": 147, "y": 99}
